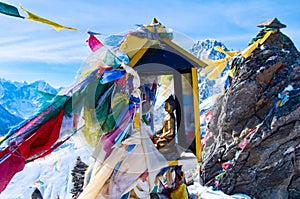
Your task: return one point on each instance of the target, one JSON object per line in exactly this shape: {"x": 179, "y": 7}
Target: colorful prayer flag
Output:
{"x": 111, "y": 75}
{"x": 112, "y": 60}
{"x": 11, "y": 163}
{"x": 94, "y": 43}
{"x": 56, "y": 26}
{"x": 9, "y": 10}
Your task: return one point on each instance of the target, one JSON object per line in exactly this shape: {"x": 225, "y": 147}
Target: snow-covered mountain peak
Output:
{"x": 41, "y": 85}
{"x": 204, "y": 49}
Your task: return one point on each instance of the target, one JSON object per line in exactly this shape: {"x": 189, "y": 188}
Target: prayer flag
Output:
{"x": 9, "y": 10}
{"x": 56, "y": 26}
{"x": 94, "y": 43}
{"x": 94, "y": 33}
{"x": 112, "y": 60}
{"x": 111, "y": 75}
{"x": 11, "y": 163}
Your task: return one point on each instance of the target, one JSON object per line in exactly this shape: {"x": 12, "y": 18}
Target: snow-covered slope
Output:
{"x": 51, "y": 175}
{"x": 7, "y": 120}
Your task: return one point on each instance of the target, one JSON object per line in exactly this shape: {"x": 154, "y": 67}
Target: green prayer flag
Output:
{"x": 9, "y": 10}
{"x": 112, "y": 60}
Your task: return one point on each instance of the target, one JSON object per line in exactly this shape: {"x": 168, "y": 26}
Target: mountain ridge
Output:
{"x": 7, "y": 120}
{"x": 204, "y": 49}
{"x": 21, "y": 98}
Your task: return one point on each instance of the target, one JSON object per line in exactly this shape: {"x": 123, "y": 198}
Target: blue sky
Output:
{"x": 32, "y": 51}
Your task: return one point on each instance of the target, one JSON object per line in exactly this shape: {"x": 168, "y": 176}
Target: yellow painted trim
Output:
{"x": 144, "y": 49}
{"x": 184, "y": 52}
{"x": 138, "y": 56}
{"x": 173, "y": 162}
{"x": 196, "y": 114}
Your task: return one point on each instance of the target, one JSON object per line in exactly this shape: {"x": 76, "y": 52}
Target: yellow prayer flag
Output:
{"x": 210, "y": 66}
{"x": 262, "y": 40}
{"x": 214, "y": 68}
{"x": 133, "y": 44}
{"x": 91, "y": 127}
{"x": 231, "y": 72}
{"x": 207, "y": 70}
{"x": 229, "y": 53}
{"x": 56, "y": 26}
{"x": 246, "y": 53}
{"x": 219, "y": 68}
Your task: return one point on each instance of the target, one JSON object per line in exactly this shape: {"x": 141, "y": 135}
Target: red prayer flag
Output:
{"x": 14, "y": 156}
{"x": 94, "y": 43}
{"x": 43, "y": 138}
{"x": 11, "y": 163}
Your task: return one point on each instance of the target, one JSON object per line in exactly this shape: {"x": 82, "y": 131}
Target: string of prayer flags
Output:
{"x": 215, "y": 68}
{"x": 247, "y": 51}
{"x": 283, "y": 97}
{"x": 9, "y": 10}
{"x": 227, "y": 53}
{"x": 56, "y": 26}
{"x": 94, "y": 43}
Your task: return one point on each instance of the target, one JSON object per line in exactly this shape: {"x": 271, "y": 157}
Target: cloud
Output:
{"x": 53, "y": 50}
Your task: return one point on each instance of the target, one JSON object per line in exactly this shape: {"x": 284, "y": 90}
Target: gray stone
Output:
{"x": 269, "y": 165}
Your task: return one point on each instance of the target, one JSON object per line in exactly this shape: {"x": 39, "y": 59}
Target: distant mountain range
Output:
{"x": 204, "y": 49}
{"x": 20, "y": 100}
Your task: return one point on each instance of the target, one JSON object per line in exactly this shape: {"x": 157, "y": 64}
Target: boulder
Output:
{"x": 255, "y": 128}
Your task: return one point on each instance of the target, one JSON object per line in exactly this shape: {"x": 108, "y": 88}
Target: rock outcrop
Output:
{"x": 36, "y": 194}
{"x": 255, "y": 128}
{"x": 78, "y": 177}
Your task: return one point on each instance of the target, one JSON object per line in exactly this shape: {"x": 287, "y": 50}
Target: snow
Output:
{"x": 204, "y": 49}
{"x": 196, "y": 190}
{"x": 51, "y": 175}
